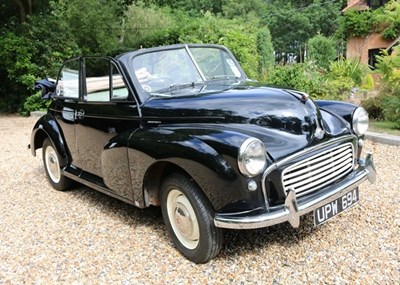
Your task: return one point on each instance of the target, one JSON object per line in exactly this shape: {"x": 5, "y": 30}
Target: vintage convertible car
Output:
{"x": 182, "y": 127}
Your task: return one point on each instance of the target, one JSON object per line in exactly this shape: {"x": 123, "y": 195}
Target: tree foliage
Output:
{"x": 147, "y": 25}
{"x": 266, "y": 51}
{"x": 321, "y": 50}
{"x": 389, "y": 19}
{"x": 385, "y": 20}
{"x": 389, "y": 67}
{"x": 28, "y": 53}
{"x": 232, "y": 33}
{"x": 37, "y": 39}
{"x": 293, "y": 23}
{"x": 93, "y": 25}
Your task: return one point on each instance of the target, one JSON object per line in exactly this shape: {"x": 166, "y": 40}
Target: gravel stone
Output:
{"x": 85, "y": 237}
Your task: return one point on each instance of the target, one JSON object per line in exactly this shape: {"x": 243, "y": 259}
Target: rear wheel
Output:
{"x": 51, "y": 161}
{"x": 188, "y": 216}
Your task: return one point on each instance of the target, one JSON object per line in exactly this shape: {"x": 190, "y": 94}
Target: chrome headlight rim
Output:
{"x": 360, "y": 121}
{"x": 245, "y": 154}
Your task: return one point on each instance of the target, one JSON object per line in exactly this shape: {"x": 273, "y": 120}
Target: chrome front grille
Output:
{"x": 319, "y": 171}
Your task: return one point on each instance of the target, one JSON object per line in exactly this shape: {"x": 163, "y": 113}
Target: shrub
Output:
{"x": 385, "y": 108}
{"x": 389, "y": 66}
{"x": 17, "y": 69}
{"x": 349, "y": 70}
{"x": 34, "y": 103}
{"x": 305, "y": 77}
{"x": 391, "y": 109}
{"x": 374, "y": 107}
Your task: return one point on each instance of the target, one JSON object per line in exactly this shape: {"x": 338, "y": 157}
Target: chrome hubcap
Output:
{"x": 52, "y": 164}
{"x": 183, "y": 219}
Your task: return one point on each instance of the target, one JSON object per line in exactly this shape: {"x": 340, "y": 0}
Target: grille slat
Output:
{"x": 322, "y": 177}
{"x": 319, "y": 166}
{"x": 319, "y": 171}
{"x": 321, "y": 157}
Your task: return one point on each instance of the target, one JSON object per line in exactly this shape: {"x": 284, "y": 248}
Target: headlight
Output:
{"x": 252, "y": 157}
{"x": 360, "y": 121}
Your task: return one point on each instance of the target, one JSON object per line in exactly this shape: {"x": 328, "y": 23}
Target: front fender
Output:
{"x": 208, "y": 156}
{"x": 342, "y": 109}
{"x": 47, "y": 127}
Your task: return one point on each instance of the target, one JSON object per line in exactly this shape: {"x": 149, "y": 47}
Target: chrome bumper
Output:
{"x": 293, "y": 207}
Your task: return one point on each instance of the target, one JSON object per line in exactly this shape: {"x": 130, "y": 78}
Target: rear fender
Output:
{"x": 47, "y": 127}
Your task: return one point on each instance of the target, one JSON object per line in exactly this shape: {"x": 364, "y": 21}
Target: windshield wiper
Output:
{"x": 178, "y": 86}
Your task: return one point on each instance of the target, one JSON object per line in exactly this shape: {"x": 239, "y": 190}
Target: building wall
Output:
{"x": 357, "y": 47}
{"x": 352, "y": 2}
{"x": 357, "y": 5}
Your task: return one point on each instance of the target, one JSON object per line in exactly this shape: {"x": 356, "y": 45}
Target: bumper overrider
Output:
{"x": 294, "y": 207}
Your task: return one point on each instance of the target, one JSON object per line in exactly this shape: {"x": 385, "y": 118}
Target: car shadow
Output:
{"x": 252, "y": 240}
{"x": 126, "y": 213}
{"x": 235, "y": 241}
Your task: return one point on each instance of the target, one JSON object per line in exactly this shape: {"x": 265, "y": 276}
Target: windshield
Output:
{"x": 165, "y": 71}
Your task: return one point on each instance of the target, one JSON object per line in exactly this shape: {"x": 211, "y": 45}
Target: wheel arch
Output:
{"x": 47, "y": 127}
{"x": 154, "y": 178}
{"x": 206, "y": 179}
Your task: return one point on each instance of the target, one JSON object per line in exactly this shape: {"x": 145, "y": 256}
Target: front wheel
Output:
{"x": 51, "y": 161}
{"x": 188, "y": 216}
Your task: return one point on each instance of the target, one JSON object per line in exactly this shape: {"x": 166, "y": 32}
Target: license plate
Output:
{"x": 329, "y": 210}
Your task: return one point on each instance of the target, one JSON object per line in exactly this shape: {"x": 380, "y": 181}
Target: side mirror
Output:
{"x": 47, "y": 86}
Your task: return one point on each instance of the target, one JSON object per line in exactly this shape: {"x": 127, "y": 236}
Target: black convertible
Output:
{"x": 182, "y": 127}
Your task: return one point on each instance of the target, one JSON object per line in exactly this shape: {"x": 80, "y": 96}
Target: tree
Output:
{"x": 29, "y": 7}
{"x": 293, "y": 23}
{"x": 193, "y": 7}
{"x": 266, "y": 51}
{"x": 24, "y": 8}
{"x": 321, "y": 50}
{"x": 31, "y": 53}
{"x": 95, "y": 25}
{"x": 234, "y": 34}
{"x": 146, "y": 26}
{"x": 248, "y": 10}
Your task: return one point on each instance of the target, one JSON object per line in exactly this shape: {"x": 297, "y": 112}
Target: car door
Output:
{"x": 68, "y": 90}
{"x": 105, "y": 117}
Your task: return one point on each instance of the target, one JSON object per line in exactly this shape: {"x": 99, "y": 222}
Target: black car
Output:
{"x": 182, "y": 127}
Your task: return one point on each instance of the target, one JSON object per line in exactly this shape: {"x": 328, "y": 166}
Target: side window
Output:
{"x": 68, "y": 81}
{"x": 103, "y": 81}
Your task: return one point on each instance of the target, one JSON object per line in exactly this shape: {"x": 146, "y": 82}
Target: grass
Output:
{"x": 383, "y": 127}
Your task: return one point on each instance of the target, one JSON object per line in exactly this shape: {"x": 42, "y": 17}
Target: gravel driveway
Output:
{"x": 84, "y": 237}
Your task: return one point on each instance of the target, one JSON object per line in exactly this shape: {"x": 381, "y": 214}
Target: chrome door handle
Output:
{"x": 80, "y": 114}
